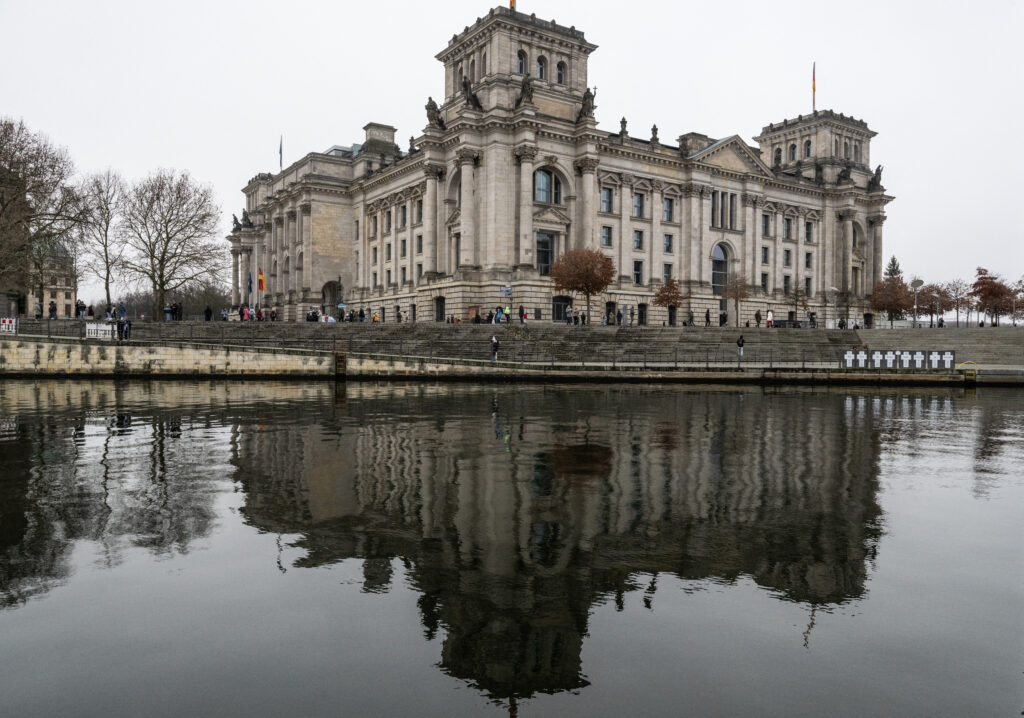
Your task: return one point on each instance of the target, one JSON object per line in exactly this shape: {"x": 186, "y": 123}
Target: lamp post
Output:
{"x": 916, "y": 284}
{"x": 835, "y": 303}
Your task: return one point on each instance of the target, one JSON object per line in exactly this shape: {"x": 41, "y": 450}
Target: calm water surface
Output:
{"x": 173, "y": 549}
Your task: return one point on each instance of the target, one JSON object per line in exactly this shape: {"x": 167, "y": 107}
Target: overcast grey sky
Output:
{"x": 210, "y": 86}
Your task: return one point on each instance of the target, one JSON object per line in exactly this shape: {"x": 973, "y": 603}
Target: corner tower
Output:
{"x": 506, "y": 50}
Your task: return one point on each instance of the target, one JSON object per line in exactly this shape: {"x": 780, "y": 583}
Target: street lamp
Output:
{"x": 916, "y": 284}
{"x": 835, "y": 303}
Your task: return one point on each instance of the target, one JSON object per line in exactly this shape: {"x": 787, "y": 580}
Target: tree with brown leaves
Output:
{"x": 583, "y": 271}
{"x": 992, "y": 294}
{"x": 669, "y": 294}
{"x": 892, "y": 296}
{"x": 934, "y": 300}
{"x": 737, "y": 290}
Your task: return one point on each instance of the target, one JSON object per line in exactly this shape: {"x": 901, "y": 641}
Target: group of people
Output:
{"x": 174, "y": 312}
{"x": 247, "y": 314}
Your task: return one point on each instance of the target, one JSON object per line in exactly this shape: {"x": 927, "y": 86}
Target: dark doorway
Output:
{"x": 671, "y": 316}
{"x": 609, "y": 311}
{"x": 545, "y": 247}
{"x": 439, "y": 312}
{"x": 559, "y": 307}
{"x": 641, "y": 314}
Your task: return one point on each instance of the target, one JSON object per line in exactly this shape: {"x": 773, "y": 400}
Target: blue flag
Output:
{"x": 250, "y": 282}
{"x": 280, "y": 153}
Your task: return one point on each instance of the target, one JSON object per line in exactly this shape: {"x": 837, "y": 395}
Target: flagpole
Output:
{"x": 814, "y": 86}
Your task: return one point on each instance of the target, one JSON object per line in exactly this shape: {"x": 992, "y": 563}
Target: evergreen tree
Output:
{"x": 893, "y": 269}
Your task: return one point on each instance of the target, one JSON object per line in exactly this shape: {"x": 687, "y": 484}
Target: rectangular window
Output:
{"x": 714, "y": 209}
{"x": 787, "y": 258}
{"x": 766, "y": 225}
{"x": 638, "y": 239}
{"x": 419, "y": 271}
{"x": 667, "y": 275}
{"x": 668, "y": 214}
{"x": 638, "y": 272}
{"x": 375, "y": 279}
{"x": 808, "y": 232}
{"x": 787, "y": 229}
{"x": 807, "y": 286}
{"x": 374, "y": 250}
{"x": 785, "y": 285}
{"x": 387, "y": 221}
{"x": 357, "y": 230}
{"x": 606, "y": 199}
{"x": 668, "y": 244}
{"x": 638, "y": 205}
{"x": 403, "y": 275}
{"x": 545, "y": 246}
{"x": 373, "y": 226}
{"x": 807, "y": 260}
{"x": 606, "y": 236}
{"x": 419, "y": 210}
{"x": 764, "y": 255}
{"x": 419, "y": 244}
{"x": 764, "y": 282}
{"x": 387, "y": 252}
{"x": 402, "y": 215}
{"x": 67, "y": 295}
{"x": 388, "y": 275}
{"x": 401, "y": 249}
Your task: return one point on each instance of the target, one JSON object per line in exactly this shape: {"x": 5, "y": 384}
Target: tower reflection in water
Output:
{"x": 515, "y": 512}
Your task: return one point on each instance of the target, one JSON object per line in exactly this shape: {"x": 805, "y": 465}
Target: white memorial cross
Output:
{"x": 862, "y": 358}
{"x": 919, "y": 360}
{"x": 948, "y": 359}
{"x": 934, "y": 357}
{"x": 905, "y": 359}
{"x": 849, "y": 357}
{"x": 876, "y": 358}
{"x": 889, "y": 358}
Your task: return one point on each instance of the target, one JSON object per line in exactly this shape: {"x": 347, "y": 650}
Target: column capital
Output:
{"x": 846, "y": 215}
{"x": 587, "y": 164}
{"x": 525, "y": 153}
{"x": 467, "y": 155}
{"x": 433, "y": 170}
{"x": 876, "y": 219}
{"x": 750, "y": 200}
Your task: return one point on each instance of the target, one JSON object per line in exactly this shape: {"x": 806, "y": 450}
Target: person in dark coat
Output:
{"x": 208, "y": 313}
{"x": 707, "y": 317}
{"x": 494, "y": 347}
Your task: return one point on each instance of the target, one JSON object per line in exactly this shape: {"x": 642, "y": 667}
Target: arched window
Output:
{"x": 521, "y": 63}
{"x": 856, "y": 152}
{"x": 542, "y": 68}
{"x": 846, "y": 150}
{"x": 807, "y": 148}
{"x": 792, "y": 153}
{"x": 719, "y": 269}
{"x": 561, "y": 73}
{"x": 778, "y": 155}
{"x": 547, "y": 187}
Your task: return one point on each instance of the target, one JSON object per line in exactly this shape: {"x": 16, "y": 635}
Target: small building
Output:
{"x": 511, "y": 171}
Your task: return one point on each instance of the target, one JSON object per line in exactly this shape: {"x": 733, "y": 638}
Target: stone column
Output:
{"x": 877, "y": 257}
{"x": 470, "y": 239}
{"x": 625, "y": 230}
{"x": 525, "y": 238}
{"x": 846, "y": 217}
{"x": 777, "y": 252}
{"x": 306, "y": 233}
{"x": 434, "y": 173}
{"x": 750, "y": 230}
{"x": 587, "y": 168}
{"x": 246, "y": 273}
{"x": 235, "y": 294}
{"x": 291, "y": 237}
{"x": 656, "y": 253}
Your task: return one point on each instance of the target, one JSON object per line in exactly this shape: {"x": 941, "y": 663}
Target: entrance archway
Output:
{"x": 439, "y": 310}
{"x": 560, "y": 305}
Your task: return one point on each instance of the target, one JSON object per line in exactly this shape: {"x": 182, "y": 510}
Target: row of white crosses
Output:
{"x": 8, "y": 326}
{"x": 881, "y": 359}
{"x": 100, "y": 330}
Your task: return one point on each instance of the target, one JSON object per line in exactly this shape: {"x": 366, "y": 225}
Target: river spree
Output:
{"x": 278, "y": 549}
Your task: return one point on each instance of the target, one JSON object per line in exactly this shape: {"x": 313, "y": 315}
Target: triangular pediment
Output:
{"x": 734, "y": 155}
{"x": 550, "y": 215}
{"x": 454, "y": 217}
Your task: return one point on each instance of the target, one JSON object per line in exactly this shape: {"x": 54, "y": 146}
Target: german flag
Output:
{"x": 262, "y": 282}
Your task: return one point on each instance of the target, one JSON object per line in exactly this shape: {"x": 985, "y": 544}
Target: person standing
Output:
{"x": 618, "y": 318}
{"x": 739, "y": 346}
{"x": 208, "y": 313}
{"x": 522, "y": 315}
{"x": 707, "y": 318}
{"x": 770, "y": 323}
{"x": 757, "y": 318}
{"x": 52, "y": 309}
{"x": 494, "y": 347}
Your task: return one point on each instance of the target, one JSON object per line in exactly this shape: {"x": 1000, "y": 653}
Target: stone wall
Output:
{"x": 73, "y": 357}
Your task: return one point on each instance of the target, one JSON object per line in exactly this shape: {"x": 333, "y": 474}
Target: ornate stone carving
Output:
{"x": 749, "y": 200}
{"x": 876, "y": 219}
{"x": 469, "y": 96}
{"x": 689, "y": 190}
{"x": 587, "y": 164}
{"x": 434, "y": 118}
{"x": 235, "y": 226}
{"x": 587, "y": 108}
{"x": 433, "y": 170}
{"x": 845, "y": 215}
{"x": 622, "y": 128}
{"x": 657, "y": 185}
{"x": 525, "y": 91}
{"x": 627, "y": 179}
{"x": 654, "y": 135}
{"x": 876, "y": 180}
{"x": 246, "y": 222}
{"x": 525, "y": 152}
{"x": 467, "y": 155}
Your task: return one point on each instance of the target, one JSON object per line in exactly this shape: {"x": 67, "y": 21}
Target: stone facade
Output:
{"x": 512, "y": 171}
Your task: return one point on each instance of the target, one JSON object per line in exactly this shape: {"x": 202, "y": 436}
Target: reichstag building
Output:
{"x": 511, "y": 171}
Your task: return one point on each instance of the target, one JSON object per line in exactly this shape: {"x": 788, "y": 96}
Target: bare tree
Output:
{"x": 959, "y": 296}
{"x": 799, "y": 299}
{"x": 102, "y": 245}
{"x": 584, "y": 271}
{"x": 737, "y": 290}
{"x": 38, "y": 206}
{"x": 168, "y": 226}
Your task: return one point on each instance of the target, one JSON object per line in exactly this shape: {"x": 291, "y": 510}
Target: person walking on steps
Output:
{"x": 707, "y": 318}
{"x": 494, "y": 347}
{"x": 739, "y": 346}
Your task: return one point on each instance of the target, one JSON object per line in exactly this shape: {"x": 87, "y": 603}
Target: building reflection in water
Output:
{"x": 513, "y": 512}
{"x": 516, "y": 512}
